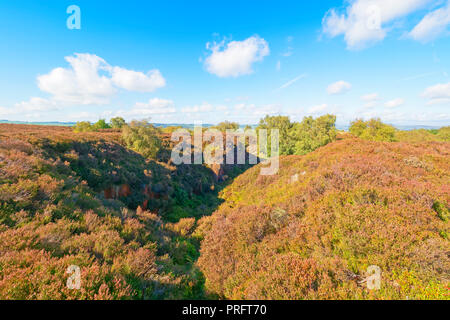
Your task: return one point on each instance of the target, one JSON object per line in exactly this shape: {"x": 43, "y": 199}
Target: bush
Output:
{"x": 444, "y": 133}
{"x": 301, "y": 138}
{"x": 142, "y": 137}
{"x": 101, "y": 124}
{"x": 86, "y": 126}
{"x": 373, "y": 130}
{"x": 83, "y": 126}
{"x": 314, "y": 133}
{"x": 226, "y": 125}
{"x": 117, "y": 123}
{"x": 284, "y": 125}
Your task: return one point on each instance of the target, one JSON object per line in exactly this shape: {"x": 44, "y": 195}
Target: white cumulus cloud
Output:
{"x": 81, "y": 83}
{"x": 339, "y": 87}
{"x": 394, "y": 103}
{"x": 5, "y": 111}
{"x": 137, "y": 81}
{"x": 432, "y": 25}
{"x": 36, "y": 104}
{"x": 370, "y": 97}
{"x": 364, "y": 21}
{"x": 371, "y": 100}
{"x": 90, "y": 80}
{"x": 152, "y": 107}
{"x": 318, "y": 108}
{"x": 235, "y": 58}
{"x": 438, "y": 93}
{"x": 204, "y": 107}
{"x": 244, "y": 106}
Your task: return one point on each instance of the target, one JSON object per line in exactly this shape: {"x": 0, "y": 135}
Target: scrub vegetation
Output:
{"x": 107, "y": 198}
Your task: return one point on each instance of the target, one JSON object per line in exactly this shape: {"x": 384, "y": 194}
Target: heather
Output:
{"x": 111, "y": 202}
{"x": 85, "y": 199}
{"x": 311, "y": 231}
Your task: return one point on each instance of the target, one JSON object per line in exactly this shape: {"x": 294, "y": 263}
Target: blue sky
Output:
{"x": 209, "y": 61}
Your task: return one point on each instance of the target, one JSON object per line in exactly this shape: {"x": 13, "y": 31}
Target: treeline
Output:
{"x": 300, "y": 138}
{"x": 86, "y": 126}
{"x": 296, "y": 138}
{"x": 375, "y": 130}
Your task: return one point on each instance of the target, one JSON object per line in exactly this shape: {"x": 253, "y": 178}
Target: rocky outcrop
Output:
{"x": 218, "y": 172}
{"x": 150, "y": 191}
{"x": 116, "y": 192}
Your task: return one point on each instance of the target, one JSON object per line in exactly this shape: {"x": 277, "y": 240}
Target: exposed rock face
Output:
{"x": 194, "y": 179}
{"x": 116, "y": 192}
{"x": 218, "y": 171}
{"x": 231, "y": 150}
{"x": 156, "y": 191}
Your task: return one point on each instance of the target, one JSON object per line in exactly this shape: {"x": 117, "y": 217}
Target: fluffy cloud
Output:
{"x": 317, "y": 109}
{"x": 395, "y": 117}
{"x": 339, "y": 87}
{"x": 244, "y": 106}
{"x": 91, "y": 80}
{"x": 370, "y": 97}
{"x": 84, "y": 115}
{"x": 81, "y": 83}
{"x": 432, "y": 25}
{"x": 31, "y": 107}
{"x": 235, "y": 58}
{"x": 268, "y": 109}
{"x": 5, "y": 111}
{"x": 137, "y": 81}
{"x": 394, "y": 103}
{"x": 252, "y": 110}
{"x": 363, "y": 22}
{"x": 439, "y": 93}
{"x": 371, "y": 100}
{"x": 152, "y": 107}
{"x": 204, "y": 107}
{"x": 36, "y": 104}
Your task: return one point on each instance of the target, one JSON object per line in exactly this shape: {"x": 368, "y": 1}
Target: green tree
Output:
{"x": 444, "y": 133}
{"x": 83, "y": 126}
{"x": 227, "y": 125}
{"x": 373, "y": 130}
{"x": 117, "y": 122}
{"x": 142, "y": 137}
{"x": 357, "y": 127}
{"x": 284, "y": 125}
{"x": 101, "y": 124}
{"x": 312, "y": 133}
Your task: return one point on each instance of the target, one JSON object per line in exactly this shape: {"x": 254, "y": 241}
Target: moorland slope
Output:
{"x": 142, "y": 228}
{"x": 312, "y": 231}
{"x": 85, "y": 199}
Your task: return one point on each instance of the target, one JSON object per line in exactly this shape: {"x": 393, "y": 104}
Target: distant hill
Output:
{"x": 206, "y": 125}
{"x": 71, "y": 124}
{"x": 54, "y": 123}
